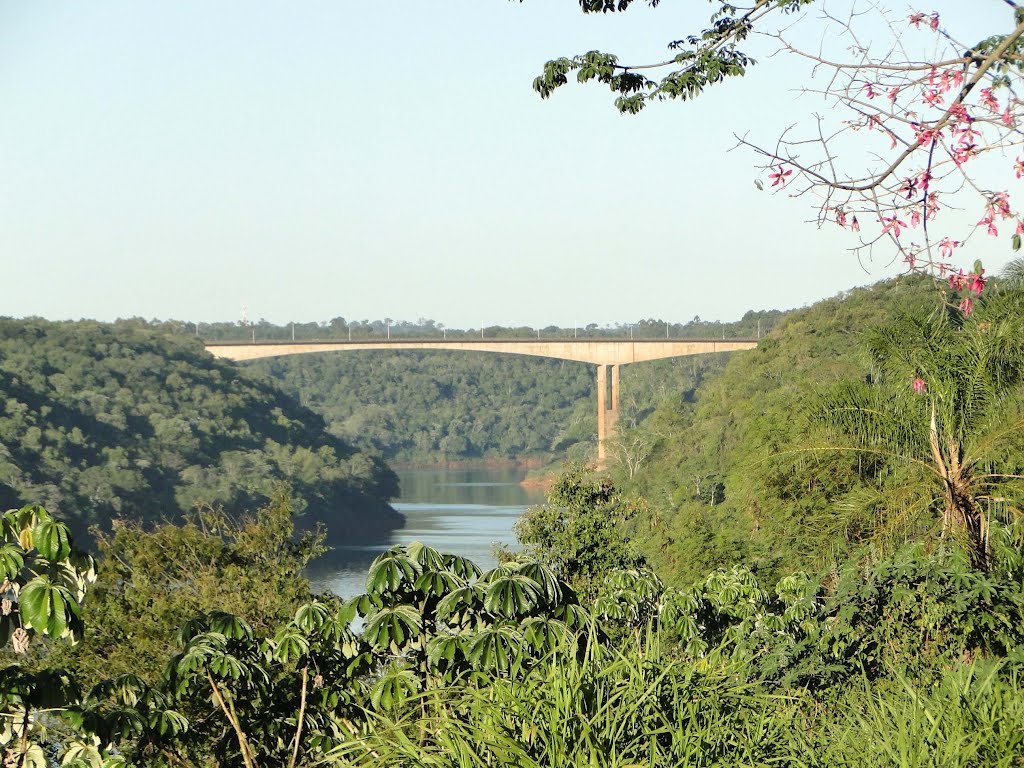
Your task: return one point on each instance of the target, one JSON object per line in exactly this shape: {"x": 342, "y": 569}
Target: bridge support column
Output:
{"x": 607, "y": 409}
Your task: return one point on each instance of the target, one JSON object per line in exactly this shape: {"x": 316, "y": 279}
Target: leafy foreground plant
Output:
{"x": 458, "y": 667}
{"x": 45, "y": 580}
{"x": 603, "y": 708}
{"x": 972, "y": 716}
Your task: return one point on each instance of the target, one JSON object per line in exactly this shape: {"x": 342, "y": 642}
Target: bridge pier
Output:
{"x": 607, "y": 409}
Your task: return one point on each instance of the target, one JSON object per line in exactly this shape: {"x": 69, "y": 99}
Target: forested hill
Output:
{"x": 102, "y": 421}
{"x": 718, "y": 468}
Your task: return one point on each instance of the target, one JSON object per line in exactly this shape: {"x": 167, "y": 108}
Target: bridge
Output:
{"x": 606, "y": 354}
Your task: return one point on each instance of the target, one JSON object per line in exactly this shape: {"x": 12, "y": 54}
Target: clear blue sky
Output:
{"x": 385, "y": 159}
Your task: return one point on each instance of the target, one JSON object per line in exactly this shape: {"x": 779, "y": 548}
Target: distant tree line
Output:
{"x": 339, "y": 329}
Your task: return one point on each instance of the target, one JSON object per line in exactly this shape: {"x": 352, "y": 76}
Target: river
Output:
{"x": 463, "y": 511}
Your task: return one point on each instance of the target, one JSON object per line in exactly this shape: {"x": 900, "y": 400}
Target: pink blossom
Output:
{"x": 958, "y": 113}
{"x": 915, "y": 218}
{"x": 869, "y": 91}
{"x": 1020, "y": 228}
{"x": 894, "y": 224}
{"x": 924, "y": 136}
{"x": 923, "y": 179}
{"x": 957, "y": 77}
{"x": 1018, "y": 167}
{"x": 854, "y": 224}
{"x": 989, "y": 100}
{"x": 1007, "y": 117}
{"x": 946, "y": 247}
{"x": 956, "y": 282}
{"x": 841, "y": 217}
{"x": 967, "y": 306}
{"x": 893, "y": 93}
{"x": 976, "y": 283}
{"x": 966, "y": 135}
{"x": 918, "y": 385}
{"x": 780, "y": 176}
{"x": 1001, "y": 204}
{"x": 933, "y": 22}
{"x": 910, "y": 260}
{"x": 989, "y": 222}
{"x": 933, "y": 98}
{"x": 917, "y": 19}
{"x": 963, "y": 153}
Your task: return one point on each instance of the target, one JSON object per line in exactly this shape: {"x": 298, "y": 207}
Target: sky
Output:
{"x": 321, "y": 159}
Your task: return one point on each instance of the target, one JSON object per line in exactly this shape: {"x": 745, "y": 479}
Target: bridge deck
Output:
{"x": 594, "y": 351}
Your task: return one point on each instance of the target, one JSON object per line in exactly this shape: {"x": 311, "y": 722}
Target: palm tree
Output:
{"x": 939, "y": 415}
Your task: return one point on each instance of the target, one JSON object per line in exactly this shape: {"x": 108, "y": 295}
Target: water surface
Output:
{"x": 463, "y": 511}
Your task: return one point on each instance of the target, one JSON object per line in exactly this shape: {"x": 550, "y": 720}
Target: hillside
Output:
{"x": 722, "y": 485}
{"x": 104, "y": 421}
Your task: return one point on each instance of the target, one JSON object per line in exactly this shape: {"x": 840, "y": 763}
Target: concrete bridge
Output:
{"x": 606, "y": 354}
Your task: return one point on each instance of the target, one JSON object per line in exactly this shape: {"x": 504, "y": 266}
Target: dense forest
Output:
{"x": 115, "y": 421}
{"x": 738, "y": 472}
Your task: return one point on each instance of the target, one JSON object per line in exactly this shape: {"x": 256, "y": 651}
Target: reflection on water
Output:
{"x": 464, "y": 511}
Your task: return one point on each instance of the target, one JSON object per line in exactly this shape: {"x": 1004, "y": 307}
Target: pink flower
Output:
{"x": 1001, "y": 204}
{"x": 1007, "y": 117}
{"x": 894, "y": 224}
{"x": 918, "y": 385}
{"x": 989, "y": 100}
{"x": 841, "y": 217}
{"x": 869, "y": 91}
{"x": 917, "y": 19}
{"x": 956, "y": 282}
{"x": 893, "y": 93}
{"x": 780, "y": 176}
{"x": 1018, "y": 167}
{"x": 989, "y": 222}
{"x": 967, "y": 306}
{"x": 958, "y": 112}
{"x": 976, "y": 283}
{"x": 915, "y": 218}
{"x": 933, "y": 98}
{"x": 933, "y": 22}
{"x": 946, "y": 247}
{"x": 1020, "y": 228}
{"x": 924, "y": 136}
{"x": 854, "y": 224}
{"x": 910, "y": 260}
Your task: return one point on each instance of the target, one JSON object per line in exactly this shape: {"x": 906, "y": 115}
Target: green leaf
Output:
{"x": 47, "y": 608}
{"x": 390, "y": 570}
{"x": 393, "y": 627}
{"x": 52, "y": 539}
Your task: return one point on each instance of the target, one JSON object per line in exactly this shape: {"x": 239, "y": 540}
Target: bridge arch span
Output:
{"x": 606, "y": 354}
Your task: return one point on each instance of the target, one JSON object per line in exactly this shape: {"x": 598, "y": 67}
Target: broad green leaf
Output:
{"x": 289, "y": 645}
{"x": 428, "y": 558}
{"x": 230, "y": 626}
{"x": 46, "y": 607}
{"x": 311, "y": 616}
{"x": 390, "y": 570}
{"x": 511, "y": 595}
{"x": 393, "y": 627}
{"x": 52, "y": 539}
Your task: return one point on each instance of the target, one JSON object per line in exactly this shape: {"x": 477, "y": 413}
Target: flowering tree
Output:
{"x": 922, "y": 136}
